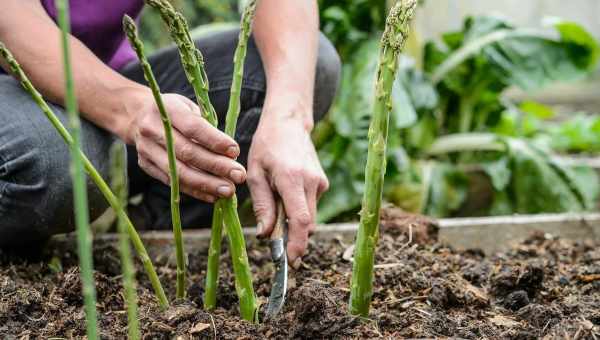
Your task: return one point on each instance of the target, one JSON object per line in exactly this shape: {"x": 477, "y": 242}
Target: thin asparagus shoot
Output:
{"x": 92, "y": 172}
{"x": 82, "y": 219}
{"x": 212, "y": 267}
{"x": 237, "y": 244}
{"x": 119, "y": 185}
{"x": 392, "y": 42}
{"x": 191, "y": 58}
{"x": 132, "y": 34}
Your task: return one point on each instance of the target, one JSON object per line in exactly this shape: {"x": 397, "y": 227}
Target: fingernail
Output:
{"x": 297, "y": 263}
{"x": 224, "y": 190}
{"x": 233, "y": 151}
{"x": 237, "y": 176}
{"x": 260, "y": 228}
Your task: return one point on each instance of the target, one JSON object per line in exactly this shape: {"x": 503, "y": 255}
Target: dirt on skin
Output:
{"x": 544, "y": 287}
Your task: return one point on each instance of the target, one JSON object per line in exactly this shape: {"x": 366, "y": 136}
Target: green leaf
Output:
{"x": 540, "y": 185}
{"x": 539, "y": 110}
{"x": 499, "y": 172}
{"x": 448, "y": 190}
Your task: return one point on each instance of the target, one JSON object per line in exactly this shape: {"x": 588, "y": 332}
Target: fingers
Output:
{"x": 263, "y": 202}
{"x": 198, "y": 157}
{"x": 300, "y": 220}
{"x": 186, "y": 118}
{"x": 194, "y": 182}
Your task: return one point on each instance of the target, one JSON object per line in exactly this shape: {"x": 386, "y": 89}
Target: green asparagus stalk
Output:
{"x": 119, "y": 186}
{"x": 191, "y": 58}
{"x": 212, "y": 267}
{"x": 237, "y": 244}
{"x": 132, "y": 34}
{"x": 244, "y": 277}
{"x": 82, "y": 218}
{"x": 197, "y": 77}
{"x": 392, "y": 42}
{"x": 92, "y": 172}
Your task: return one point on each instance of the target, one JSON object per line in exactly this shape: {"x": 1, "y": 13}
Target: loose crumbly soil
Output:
{"x": 544, "y": 287}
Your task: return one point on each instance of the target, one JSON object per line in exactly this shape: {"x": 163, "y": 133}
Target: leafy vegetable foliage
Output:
{"x": 473, "y": 68}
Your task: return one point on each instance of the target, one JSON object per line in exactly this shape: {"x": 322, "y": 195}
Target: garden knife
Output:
{"x": 279, "y": 257}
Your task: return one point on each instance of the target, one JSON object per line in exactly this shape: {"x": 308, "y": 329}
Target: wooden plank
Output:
{"x": 491, "y": 234}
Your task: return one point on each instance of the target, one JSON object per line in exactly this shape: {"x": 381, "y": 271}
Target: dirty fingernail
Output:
{"x": 224, "y": 191}
{"x": 237, "y": 176}
{"x": 260, "y": 228}
{"x": 233, "y": 151}
{"x": 297, "y": 263}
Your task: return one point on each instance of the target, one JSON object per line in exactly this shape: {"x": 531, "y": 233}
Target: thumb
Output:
{"x": 263, "y": 202}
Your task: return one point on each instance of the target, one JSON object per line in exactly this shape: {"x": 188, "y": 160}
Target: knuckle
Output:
{"x": 302, "y": 218}
{"x": 216, "y": 167}
{"x": 186, "y": 153}
{"x": 253, "y": 179}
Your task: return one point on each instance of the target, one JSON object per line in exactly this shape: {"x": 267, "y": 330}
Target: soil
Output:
{"x": 544, "y": 287}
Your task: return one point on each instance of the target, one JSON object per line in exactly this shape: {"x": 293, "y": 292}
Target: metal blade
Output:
{"x": 279, "y": 284}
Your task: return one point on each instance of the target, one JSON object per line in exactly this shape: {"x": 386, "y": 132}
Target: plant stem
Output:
{"x": 392, "y": 42}
{"x": 228, "y": 206}
{"x": 82, "y": 219}
{"x": 212, "y": 267}
{"x": 193, "y": 65}
{"x": 191, "y": 58}
{"x": 119, "y": 186}
{"x": 92, "y": 172}
{"x": 461, "y": 142}
{"x": 132, "y": 34}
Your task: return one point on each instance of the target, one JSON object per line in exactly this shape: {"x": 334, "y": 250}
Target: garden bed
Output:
{"x": 542, "y": 286}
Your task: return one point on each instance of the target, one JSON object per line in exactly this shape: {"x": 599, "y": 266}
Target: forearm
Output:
{"x": 34, "y": 39}
{"x": 286, "y": 33}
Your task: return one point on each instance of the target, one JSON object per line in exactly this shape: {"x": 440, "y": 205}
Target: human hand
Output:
{"x": 205, "y": 156}
{"x": 283, "y": 161}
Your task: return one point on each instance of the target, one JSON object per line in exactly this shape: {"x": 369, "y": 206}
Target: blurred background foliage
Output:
{"x": 458, "y": 144}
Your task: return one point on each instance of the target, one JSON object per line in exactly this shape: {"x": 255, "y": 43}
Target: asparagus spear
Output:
{"x": 191, "y": 58}
{"x": 119, "y": 186}
{"x": 82, "y": 218}
{"x": 242, "y": 273}
{"x": 392, "y": 42}
{"x": 212, "y": 266}
{"x": 92, "y": 172}
{"x": 132, "y": 34}
{"x": 197, "y": 77}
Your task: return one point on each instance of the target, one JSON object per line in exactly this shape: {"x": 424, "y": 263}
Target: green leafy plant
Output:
{"x": 392, "y": 42}
{"x": 92, "y": 172}
{"x": 82, "y": 218}
{"x": 460, "y": 90}
{"x": 131, "y": 30}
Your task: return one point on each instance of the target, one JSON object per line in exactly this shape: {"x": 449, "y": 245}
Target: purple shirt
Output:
{"x": 97, "y": 24}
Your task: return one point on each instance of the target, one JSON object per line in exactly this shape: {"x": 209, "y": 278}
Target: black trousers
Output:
{"x": 36, "y": 198}
{"x": 218, "y": 50}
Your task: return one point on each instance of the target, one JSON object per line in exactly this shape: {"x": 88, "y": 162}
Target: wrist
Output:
{"x": 289, "y": 108}
{"x": 129, "y": 103}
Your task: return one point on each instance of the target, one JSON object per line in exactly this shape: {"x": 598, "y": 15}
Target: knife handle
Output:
{"x": 278, "y": 230}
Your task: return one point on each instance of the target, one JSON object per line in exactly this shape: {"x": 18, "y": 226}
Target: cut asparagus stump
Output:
{"x": 92, "y": 172}
{"x": 131, "y": 31}
{"x": 392, "y": 42}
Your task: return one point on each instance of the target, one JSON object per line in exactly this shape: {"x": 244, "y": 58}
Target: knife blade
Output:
{"x": 279, "y": 257}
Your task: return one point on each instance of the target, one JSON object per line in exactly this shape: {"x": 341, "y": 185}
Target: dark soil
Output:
{"x": 543, "y": 287}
